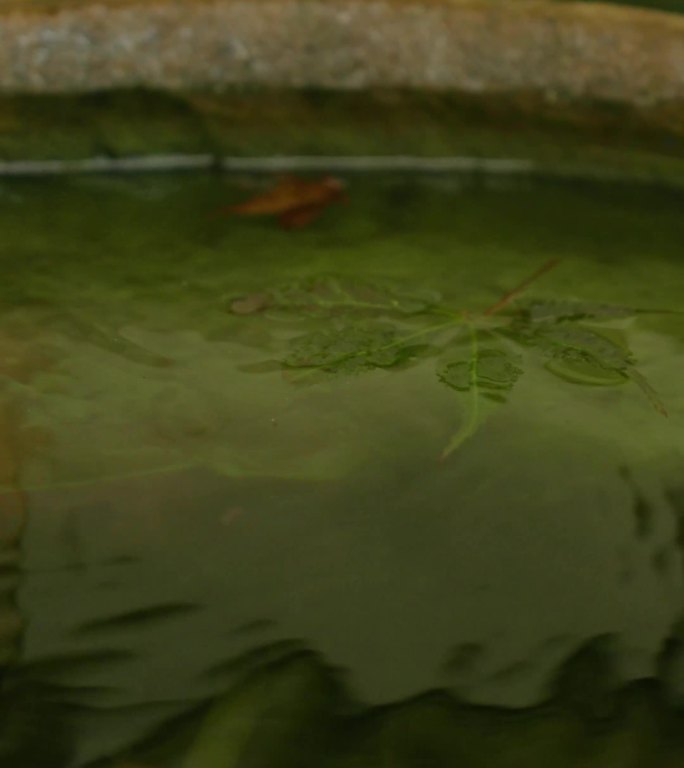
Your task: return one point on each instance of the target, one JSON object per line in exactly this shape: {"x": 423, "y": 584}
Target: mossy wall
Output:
{"x": 261, "y": 122}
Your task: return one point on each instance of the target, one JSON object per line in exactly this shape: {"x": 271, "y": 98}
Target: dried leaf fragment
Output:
{"x": 295, "y": 201}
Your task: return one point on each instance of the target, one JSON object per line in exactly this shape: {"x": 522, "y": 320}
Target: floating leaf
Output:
{"x": 291, "y": 193}
{"x": 297, "y": 202}
{"x": 298, "y": 218}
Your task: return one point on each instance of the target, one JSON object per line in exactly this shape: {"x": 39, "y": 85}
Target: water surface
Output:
{"x": 215, "y": 557}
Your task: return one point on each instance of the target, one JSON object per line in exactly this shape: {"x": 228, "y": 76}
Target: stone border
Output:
{"x": 562, "y": 51}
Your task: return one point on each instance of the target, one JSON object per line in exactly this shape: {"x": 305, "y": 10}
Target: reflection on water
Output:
{"x": 207, "y": 560}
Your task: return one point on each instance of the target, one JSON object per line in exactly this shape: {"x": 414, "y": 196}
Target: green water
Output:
{"x": 215, "y": 557}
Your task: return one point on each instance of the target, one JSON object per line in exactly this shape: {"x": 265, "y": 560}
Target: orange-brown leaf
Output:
{"x": 289, "y": 194}
{"x": 297, "y": 218}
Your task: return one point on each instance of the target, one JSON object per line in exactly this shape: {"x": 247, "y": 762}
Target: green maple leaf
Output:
{"x": 567, "y": 310}
{"x": 329, "y": 294}
{"x": 489, "y": 372}
{"x": 375, "y": 326}
{"x": 560, "y": 311}
{"x": 489, "y": 369}
{"x": 583, "y": 355}
{"x": 350, "y": 348}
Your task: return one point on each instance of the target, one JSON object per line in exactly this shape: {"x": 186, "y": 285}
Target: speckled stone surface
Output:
{"x": 563, "y": 51}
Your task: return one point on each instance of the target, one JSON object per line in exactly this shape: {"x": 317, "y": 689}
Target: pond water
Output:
{"x": 341, "y": 495}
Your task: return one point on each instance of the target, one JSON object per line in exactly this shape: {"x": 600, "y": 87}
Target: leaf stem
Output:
{"x": 640, "y": 380}
{"x": 513, "y": 294}
{"x": 467, "y": 429}
{"x": 456, "y": 319}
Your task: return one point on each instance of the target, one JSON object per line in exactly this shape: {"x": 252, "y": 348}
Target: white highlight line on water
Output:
{"x": 413, "y": 164}
{"x": 106, "y": 165}
{"x": 358, "y": 164}
{"x": 391, "y": 163}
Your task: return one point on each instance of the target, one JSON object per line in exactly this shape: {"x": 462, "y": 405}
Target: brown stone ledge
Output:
{"x": 564, "y": 52}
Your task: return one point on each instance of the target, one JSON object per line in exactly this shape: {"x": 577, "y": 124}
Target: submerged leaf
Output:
{"x": 578, "y": 367}
{"x": 349, "y": 349}
{"x": 640, "y": 380}
{"x": 329, "y": 294}
{"x": 575, "y": 341}
{"x": 489, "y": 369}
{"x": 583, "y": 356}
{"x": 558, "y": 311}
{"x": 385, "y": 325}
{"x": 544, "y": 311}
